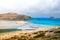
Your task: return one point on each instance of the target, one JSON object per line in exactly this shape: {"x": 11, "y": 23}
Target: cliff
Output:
{"x": 14, "y": 16}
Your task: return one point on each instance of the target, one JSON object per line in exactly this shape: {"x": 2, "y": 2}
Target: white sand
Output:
{"x": 10, "y": 24}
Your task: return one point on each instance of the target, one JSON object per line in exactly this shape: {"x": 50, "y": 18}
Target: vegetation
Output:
{"x": 40, "y": 35}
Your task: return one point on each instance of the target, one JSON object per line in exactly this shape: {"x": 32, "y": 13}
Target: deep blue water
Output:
{"x": 45, "y": 21}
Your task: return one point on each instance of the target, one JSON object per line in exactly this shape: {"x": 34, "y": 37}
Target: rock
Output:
{"x": 48, "y": 34}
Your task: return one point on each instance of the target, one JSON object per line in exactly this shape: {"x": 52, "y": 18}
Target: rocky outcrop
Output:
{"x": 13, "y": 16}
{"x": 23, "y": 17}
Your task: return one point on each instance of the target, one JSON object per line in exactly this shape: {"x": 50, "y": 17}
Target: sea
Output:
{"x": 45, "y": 22}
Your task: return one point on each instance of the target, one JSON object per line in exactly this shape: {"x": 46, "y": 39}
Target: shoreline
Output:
{"x": 26, "y": 25}
{"x": 19, "y": 23}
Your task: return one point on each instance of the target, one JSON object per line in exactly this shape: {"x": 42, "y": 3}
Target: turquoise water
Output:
{"x": 44, "y": 22}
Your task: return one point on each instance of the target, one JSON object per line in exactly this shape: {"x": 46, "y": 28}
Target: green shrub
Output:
{"x": 57, "y": 31}
{"x": 39, "y": 35}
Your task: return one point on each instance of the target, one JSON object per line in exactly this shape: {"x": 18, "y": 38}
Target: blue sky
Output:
{"x": 33, "y": 8}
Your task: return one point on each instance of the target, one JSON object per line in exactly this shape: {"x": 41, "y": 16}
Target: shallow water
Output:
{"x": 44, "y": 22}
{"x": 32, "y": 24}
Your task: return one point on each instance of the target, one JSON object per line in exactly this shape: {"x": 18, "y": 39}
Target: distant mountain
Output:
{"x": 14, "y": 16}
{"x": 52, "y": 17}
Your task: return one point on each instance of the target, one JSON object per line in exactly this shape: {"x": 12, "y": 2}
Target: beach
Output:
{"x": 19, "y": 25}
{"x": 10, "y": 24}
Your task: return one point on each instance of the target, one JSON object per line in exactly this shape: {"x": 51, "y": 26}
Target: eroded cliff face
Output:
{"x": 14, "y": 16}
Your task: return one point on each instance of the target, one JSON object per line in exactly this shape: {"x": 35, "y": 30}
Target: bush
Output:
{"x": 39, "y": 35}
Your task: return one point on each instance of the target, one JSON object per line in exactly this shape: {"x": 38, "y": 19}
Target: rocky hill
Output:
{"x": 14, "y": 16}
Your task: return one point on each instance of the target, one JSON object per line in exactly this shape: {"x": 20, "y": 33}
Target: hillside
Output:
{"x": 14, "y": 16}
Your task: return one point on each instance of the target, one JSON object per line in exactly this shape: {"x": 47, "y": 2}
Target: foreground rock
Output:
{"x": 13, "y": 16}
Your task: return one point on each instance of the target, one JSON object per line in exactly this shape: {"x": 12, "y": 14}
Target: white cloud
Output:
{"x": 46, "y": 5}
{"x": 31, "y": 6}
{"x": 18, "y": 4}
{"x": 24, "y": 4}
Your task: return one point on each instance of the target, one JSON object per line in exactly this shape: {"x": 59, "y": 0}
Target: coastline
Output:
{"x": 19, "y": 23}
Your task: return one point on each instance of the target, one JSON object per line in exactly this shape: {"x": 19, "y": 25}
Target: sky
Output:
{"x": 33, "y": 8}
